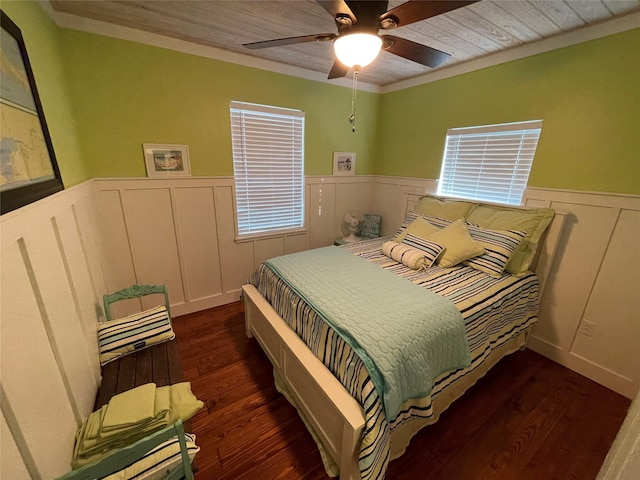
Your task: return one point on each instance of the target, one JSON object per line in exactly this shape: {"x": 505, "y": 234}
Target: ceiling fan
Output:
{"x": 358, "y": 43}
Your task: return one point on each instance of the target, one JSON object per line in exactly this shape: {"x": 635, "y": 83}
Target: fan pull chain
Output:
{"x": 352, "y": 117}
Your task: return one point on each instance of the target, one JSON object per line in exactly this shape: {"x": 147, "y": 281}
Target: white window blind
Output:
{"x": 268, "y": 165}
{"x": 490, "y": 163}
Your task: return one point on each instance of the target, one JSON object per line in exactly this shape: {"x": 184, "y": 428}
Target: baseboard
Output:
{"x": 204, "y": 303}
{"x": 617, "y": 383}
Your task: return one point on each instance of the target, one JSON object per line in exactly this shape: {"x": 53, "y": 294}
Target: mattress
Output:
{"x": 494, "y": 310}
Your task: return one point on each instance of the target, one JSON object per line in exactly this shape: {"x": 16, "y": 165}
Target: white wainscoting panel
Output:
{"x": 50, "y": 373}
{"x": 198, "y": 242}
{"x": 321, "y": 202}
{"x": 391, "y": 195}
{"x": 114, "y": 241}
{"x": 595, "y": 278}
{"x": 61, "y": 254}
{"x": 152, "y": 237}
{"x": 182, "y": 232}
{"x": 11, "y": 463}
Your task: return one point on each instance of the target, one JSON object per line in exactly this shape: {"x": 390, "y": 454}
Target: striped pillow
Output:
{"x": 499, "y": 247}
{"x": 135, "y": 332}
{"x": 400, "y": 252}
{"x": 411, "y": 217}
{"x": 157, "y": 463}
{"x": 430, "y": 250}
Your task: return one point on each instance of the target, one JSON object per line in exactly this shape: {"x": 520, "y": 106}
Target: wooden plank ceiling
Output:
{"x": 476, "y": 30}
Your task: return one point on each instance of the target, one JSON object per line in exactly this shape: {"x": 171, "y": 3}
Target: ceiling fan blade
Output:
{"x": 416, "y": 10}
{"x": 367, "y": 12}
{"x": 413, "y": 51}
{"x": 338, "y": 70}
{"x": 278, "y": 42}
{"x": 337, "y": 7}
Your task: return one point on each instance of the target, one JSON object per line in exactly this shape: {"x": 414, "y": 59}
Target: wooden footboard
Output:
{"x": 335, "y": 416}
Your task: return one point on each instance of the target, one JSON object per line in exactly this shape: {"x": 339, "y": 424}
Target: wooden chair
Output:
{"x": 126, "y": 456}
{"x": 134, "y": 291}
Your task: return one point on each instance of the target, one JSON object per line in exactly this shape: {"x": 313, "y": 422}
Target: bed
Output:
{"x": 344, "y": 396}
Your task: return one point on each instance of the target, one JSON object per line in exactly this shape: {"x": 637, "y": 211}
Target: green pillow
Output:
{"x": 420, "y": 227}
{"x": 533, "y": 221}
{"x": 444, "y": 208}
{"x": 458, "y": 244}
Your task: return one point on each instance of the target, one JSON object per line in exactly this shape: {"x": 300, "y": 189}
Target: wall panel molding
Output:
{"x": 59, "y": 255}
{"x": 51, "y": 269}
{"x": 199, "y": 257}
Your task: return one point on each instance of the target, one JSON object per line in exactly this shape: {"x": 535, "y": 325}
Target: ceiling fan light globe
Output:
{"x": 357, "y": 48}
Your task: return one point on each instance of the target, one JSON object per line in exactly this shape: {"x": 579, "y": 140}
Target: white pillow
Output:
{"x": 402, "y": 253}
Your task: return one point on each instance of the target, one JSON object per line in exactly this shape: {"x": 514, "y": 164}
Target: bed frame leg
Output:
{"x": 349, "y": 467}
{"x": 248, "y": 311}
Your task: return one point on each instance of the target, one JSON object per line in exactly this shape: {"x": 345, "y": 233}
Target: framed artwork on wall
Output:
{"x": 28, "y": 166}
{"x": 344, "y": 163}
{"x": 166, "y": 160}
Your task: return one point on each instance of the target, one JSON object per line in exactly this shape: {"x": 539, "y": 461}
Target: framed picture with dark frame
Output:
{"x": 28, "y": 166}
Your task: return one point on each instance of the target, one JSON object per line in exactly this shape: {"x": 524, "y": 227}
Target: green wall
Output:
{"x": 104, "y": 97}
{"x": 42, "y": 38}
{"x": 127, "y": 94}
{"x": 588, "y": 96}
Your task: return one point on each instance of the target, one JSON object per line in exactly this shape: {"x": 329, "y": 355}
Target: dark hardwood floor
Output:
{"x": 529, "y": 418}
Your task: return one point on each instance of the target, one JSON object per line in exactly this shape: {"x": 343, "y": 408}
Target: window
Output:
{"x": 490, "y": 163}
{"x": 268, "y": 166}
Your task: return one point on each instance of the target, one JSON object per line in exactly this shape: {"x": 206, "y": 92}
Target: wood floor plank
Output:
{"x": 528, "y": 418}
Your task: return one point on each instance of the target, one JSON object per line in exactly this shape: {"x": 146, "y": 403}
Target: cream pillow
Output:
{"x": 420, "y": 227}
{"x": 458, "y": 244}
{"x": 448, "y": 209}
{"x": 410, "y": 257}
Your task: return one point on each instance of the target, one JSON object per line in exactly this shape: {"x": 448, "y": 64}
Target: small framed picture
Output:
{"x": 344, "y": 163}
{"x": 166, "y": 160}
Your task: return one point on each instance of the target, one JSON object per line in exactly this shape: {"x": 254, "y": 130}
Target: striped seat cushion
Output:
{"x": 135, "y": 332}
{"x": 159, "y": 462}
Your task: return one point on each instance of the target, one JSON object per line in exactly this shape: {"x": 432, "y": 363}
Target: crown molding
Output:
{"x": 590, "y": 32}
{"x": 98, "y": 27}
{"x": 584, "y": 34}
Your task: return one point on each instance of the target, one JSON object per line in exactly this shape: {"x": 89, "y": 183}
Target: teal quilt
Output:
{"x": 405, "y": 335}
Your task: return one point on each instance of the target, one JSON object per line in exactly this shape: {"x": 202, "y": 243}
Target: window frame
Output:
{"x": 521, "y": 162}
{"x": 240, "y": 108}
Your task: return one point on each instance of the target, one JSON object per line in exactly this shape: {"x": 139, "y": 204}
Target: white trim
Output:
{"x": 598, "y": 373}
{"x": 589, "y": 32}
{"x": 256, "y": 107}
{"x": 496, "y": 127}
{"x": 98, "y": 27}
